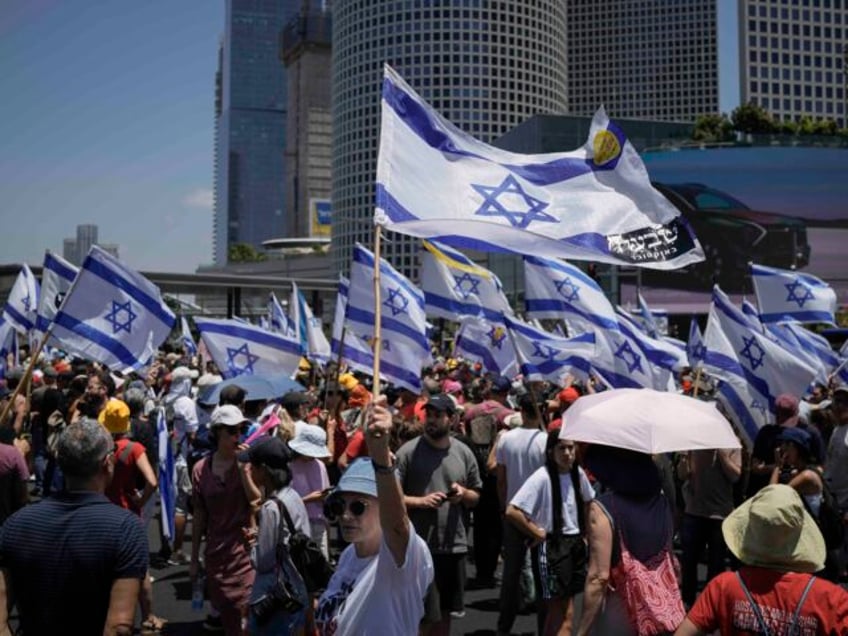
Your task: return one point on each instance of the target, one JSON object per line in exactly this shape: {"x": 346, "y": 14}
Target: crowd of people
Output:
{"x": 329, "y": 510}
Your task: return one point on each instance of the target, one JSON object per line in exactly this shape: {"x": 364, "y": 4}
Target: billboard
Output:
{"x": 320, "y": 216}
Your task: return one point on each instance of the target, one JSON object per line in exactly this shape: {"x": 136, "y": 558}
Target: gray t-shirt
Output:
{"x": 424, "y": 469}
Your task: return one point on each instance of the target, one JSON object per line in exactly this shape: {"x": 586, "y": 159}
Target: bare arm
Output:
{"x": 731, "y": 463}
{"x": 151, "y": 483}
{"x": 198, "y": 530}
{"x": 251, "y": 492}
{"x": 598, "y": 573}
{"x": 122, "y": 601}
{"x": 520, "y": 519}
{"x": 5, "y": 598}
{"x": 393, "y": 518}
{"x": 688, "y": 628}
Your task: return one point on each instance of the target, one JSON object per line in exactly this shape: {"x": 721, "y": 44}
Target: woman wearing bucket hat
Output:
{"x": 382, "y": 576}
{"x": 774, "y": 592}
{"x": 310, "y": 479}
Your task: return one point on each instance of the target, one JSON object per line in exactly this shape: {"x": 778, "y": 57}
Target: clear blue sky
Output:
{"x": 107, "y": 118}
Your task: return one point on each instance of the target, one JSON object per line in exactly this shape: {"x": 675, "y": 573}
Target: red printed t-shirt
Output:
{"x": 723, "y": 606}
{"x": 356, "y": 446}
{"x": 126, "y": 475}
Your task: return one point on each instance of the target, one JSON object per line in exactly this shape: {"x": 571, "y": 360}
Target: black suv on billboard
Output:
{"x": 732, "y": 235}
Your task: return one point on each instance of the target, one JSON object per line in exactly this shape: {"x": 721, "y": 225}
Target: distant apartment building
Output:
{"x": 643, "y": 60}
{"x": 792, "y": 57}
{"x": 75, "y": 250}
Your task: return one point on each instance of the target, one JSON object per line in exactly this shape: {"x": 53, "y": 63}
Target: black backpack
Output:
{"x": 306, "y": 556}
{"x": 482, "y": 431}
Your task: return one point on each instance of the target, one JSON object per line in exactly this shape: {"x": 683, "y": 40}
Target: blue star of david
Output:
{"x": 402, "y": 301}
{"x": 632, "y": 359}
{"x": 757, "y": 405}
{"x": 26, "y": 302}
{"x": 753, "y": 352}
{"x": 794, "y": 297}
{"x": 113, "y": 317}
{"x": 568, "y": 289}
{"x": 518, "y": 218}
{"x": 497, "y": 335}
{"x": 473, "y": 284}
{"x": 249, "y": 360}
{"x": 543, "y": 351}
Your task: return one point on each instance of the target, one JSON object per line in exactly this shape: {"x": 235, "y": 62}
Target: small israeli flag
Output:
{"x": 57, "y": 276}
{"x": 785, "y": 295}
{"x": 21, "y": 309}
{"x": 187, "y": 339}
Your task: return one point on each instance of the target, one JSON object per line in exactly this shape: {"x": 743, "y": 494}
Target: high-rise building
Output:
{"x": 485, "y": 65}
{"x": 76, "y": 249}
{"x": 250, "y": 124}
{"x": 643, "y": 60}
{"x": 793, "y": 58}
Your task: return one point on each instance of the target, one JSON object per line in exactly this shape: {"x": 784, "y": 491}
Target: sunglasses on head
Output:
{"x": 335, "y": 507}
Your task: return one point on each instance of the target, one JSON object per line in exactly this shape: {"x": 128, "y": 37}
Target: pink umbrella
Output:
{"x": 647, "y": 421}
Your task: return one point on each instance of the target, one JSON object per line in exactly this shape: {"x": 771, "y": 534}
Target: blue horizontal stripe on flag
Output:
{"x": 549, "y": 367}
{"x": 53, "y": 264}
{"x": 572, "y": 272}
{"x": 461, "y": 308}
{"x": 474, "y": 348}
{"x": 617, "y": 380}
{"x": 115, "y": 279}
{"x": 364, "y": 258}
{"x": 18, "y": 317}
{"x": 730, "y": 311}
{"x": 803, "y": 316}
{"x": 41, "y": 323}
{"x": 538, "y": 304}
{"x": 102, "y": 340}
{"x": 366, "y": 318}
{"x": 391, "y": 372}
{"x": 740, "y": 409}
{"x": 235, "y": 331}
{"x": 734, "y": 367}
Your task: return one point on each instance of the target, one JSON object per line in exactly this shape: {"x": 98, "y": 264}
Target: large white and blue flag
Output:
{"x": 167, "y": 475}
{"x": 695, "y": 345}
{"x": 595, "y": 203}
{"x": 758, "y": 368}
{"x": 279, "y": 319}
{"x": 112, "y": 314}
{"x": 543, "y": 356}
{"x": 308, "y": 328}
{"x": 455, "y": 286}
{"x": 240, "y": 348}
{"x": 357, "y": 354}
{"x": 487, "y": 343}
{"x": 186, "y": 338}
{"x": 21, "y": 309}
{"x": 57, "y": 276}
{"x": 559, "y": 290}
{"x": 665, "y": 352}
{"x": 786, "y": 295}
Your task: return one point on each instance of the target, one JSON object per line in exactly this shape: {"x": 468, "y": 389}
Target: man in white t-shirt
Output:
{"x": 519, "y": 453}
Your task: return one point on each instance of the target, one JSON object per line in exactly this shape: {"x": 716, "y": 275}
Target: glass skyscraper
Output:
{"x": 486, "y": 65}
{"x": 250, "y": 114}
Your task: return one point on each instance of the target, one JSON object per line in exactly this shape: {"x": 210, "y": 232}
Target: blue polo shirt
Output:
{"x": 63, "y": 555}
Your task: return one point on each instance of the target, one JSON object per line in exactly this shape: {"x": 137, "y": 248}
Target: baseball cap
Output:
{"x": 359, "y": 478}
{"x": 501, "y": 384}
{"x": 115, "y": 417}
{"x": 310, "y": 441}
{"x": 442, "y": 403}
{"x": 567, "y": 395}
{"x": 293, "y": 399}
{"x": 271, "y": 452}
{"x": 227, "y": 415}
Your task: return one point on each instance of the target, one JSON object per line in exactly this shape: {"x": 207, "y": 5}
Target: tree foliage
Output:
{"x": 752, "y": 119}
{"x": 713, "y": 128}
{"x": 244, "y": 253}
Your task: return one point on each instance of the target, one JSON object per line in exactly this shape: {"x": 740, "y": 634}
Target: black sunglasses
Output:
{"x": 335, "y": 507}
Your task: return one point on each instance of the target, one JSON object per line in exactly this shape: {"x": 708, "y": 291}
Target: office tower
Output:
{"x": 69, "y": 250}
{"x": 792, "y": 58}
{"x": 86, "y": 237}
{"x": 250, "y": 124}
{"x": 643, "y": 60}
{"x": 76, "y": 249}
{"x": 485, "y": 66}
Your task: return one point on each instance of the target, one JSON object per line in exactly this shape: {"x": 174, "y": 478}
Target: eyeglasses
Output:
{"x": 335, "y": 507}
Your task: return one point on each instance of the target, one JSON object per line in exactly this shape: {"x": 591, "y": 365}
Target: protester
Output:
{"x": 310, "y": 479}
{"x": 181, "y": 409}
{"x": 775, "y": 591}
{"x": 383, "y": 575}
{"x": 222, "y": 513}
{"x": 551, "y": 509}
{"x": 91, "y": 584}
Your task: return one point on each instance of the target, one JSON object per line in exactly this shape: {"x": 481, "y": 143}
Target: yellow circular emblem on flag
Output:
{"x": 605, "y": 147}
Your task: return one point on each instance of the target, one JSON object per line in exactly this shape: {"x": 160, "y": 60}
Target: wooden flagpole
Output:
{"x": 376, "y": 343}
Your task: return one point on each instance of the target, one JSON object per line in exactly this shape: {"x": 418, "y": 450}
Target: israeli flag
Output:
{"x": 667, "y": 353}
{"x": 594, "y": 203}
{"x": 785, "y": 295}
{"x": 543, "y": 356}
{"x": 188, "y": 341}
{"x": 21, "y": 309}
{"x": 649, "y": 323}
{"x": 739, "y": 353}
{"x": 240, "y": 348}
{"x": 695, "y": 345}
{"x": 280, "y": 321}
{"x": 167, "y": 475}
{"x": 403, "y": 320}
{"x": 559, "y": 290}
{"x": 750, "y": 311}
{"x": 112, "y": 314}
{"x": 308, "y": 328}
{"x": 455, "y": 286}
{"x": 7, "y": 344}
{"x": 487, "y": 343}
{"x": 57, "y": 276}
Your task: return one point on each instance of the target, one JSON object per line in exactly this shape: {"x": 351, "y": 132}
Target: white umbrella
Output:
{"x": 647, "y": 421}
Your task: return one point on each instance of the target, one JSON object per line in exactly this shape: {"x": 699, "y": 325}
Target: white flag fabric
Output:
{"x": 649, "y": 322}
{"x": 7, "y": 344}
{"x": 543, "y": 356}
{"x": 167, "y": 475}
{"x": 403, "y": 321}
{"x": 240, "y": 348}
{"x": 280, "y": 322}
{"x": 695, "y": 345}
{"x": 57, "y": 276}
{"x": 785, "y": 295}
{"x": 21, "y": 309}
{"x": 594, "y": 203}
{"x": 667, "y": 353}
{"x": 556, "y": 289}
{"x": 112, "y": 314}
{"x": 308, "y": 329}
{"x": 487, "y": 343}
{"x": 455, "y": 286}
{"x": 187, "y": 339}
